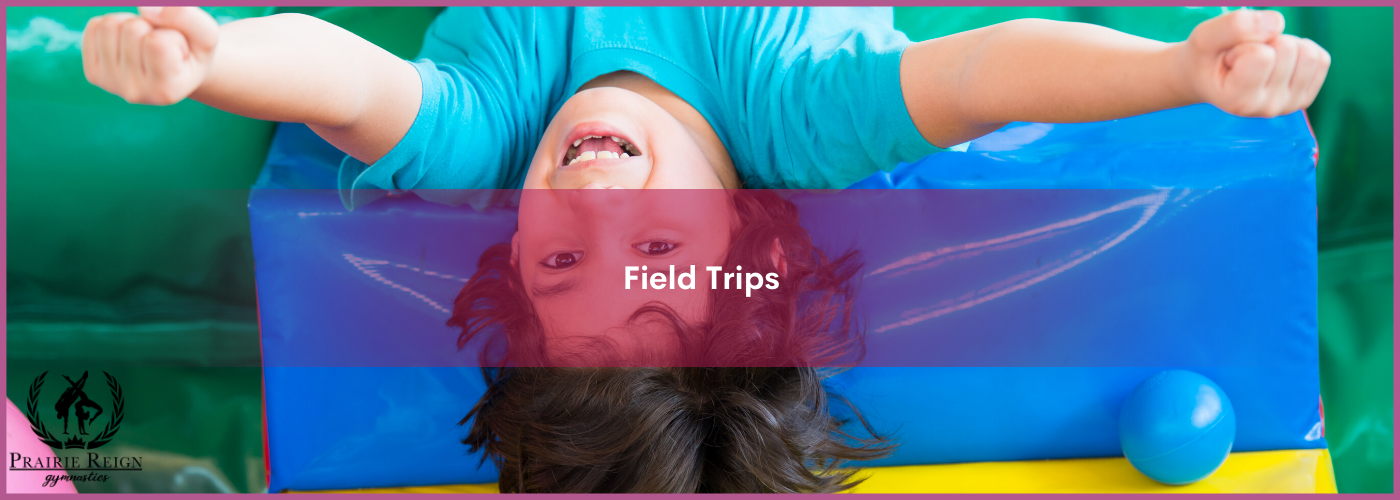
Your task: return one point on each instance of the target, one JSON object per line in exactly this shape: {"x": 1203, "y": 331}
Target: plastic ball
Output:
{"x": 1177, "y": 427}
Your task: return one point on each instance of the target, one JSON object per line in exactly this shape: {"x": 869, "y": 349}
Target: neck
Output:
{"x": 692, "y": 120}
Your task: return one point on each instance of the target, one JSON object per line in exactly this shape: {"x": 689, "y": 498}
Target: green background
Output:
{"x": 129, "y": 248}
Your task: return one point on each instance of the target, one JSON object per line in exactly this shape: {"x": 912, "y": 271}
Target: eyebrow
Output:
{"x": 556, "y": 289}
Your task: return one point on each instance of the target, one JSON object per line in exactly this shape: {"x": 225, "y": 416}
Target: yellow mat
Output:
{"x": 1286, "y": 471}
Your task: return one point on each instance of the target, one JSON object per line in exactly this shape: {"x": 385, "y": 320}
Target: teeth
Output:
{"x": 628, "y": 150}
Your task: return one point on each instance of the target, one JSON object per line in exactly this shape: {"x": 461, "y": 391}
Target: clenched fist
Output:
{"x": 1243, "y": 63}
{"x": 159, "y": 57}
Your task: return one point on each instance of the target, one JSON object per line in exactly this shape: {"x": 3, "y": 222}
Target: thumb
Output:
{"x": 199, "y": 28}
{"x": 1241, "y": 26}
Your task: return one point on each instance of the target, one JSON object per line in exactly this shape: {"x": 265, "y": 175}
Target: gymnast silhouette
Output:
{"x": 74, "y": 395}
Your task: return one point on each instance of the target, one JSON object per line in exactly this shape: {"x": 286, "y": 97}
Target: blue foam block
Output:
{"x": 1216, "y": 274}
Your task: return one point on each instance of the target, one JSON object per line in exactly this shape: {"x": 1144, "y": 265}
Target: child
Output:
{"x": 713, "y": 97}
{"x": 727, "y": 395}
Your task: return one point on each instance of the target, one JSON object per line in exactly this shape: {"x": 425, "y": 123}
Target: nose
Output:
{"x": 602, "y": 202}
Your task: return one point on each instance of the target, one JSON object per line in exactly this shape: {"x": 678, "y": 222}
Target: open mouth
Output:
{"x": 599, "y": 147}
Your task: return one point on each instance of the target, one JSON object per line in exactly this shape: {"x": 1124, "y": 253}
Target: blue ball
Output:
{"x": 1177, "y": 427}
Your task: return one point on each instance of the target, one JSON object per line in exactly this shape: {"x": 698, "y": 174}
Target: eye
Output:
{"x": 656, "y": 248}
{"x": 562, "y": 260}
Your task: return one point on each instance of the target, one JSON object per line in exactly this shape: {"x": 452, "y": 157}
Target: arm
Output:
{"x": 965, "y": 85}
{"x": 287, "y": 67}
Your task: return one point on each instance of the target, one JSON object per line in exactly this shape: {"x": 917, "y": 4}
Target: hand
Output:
{"x": 1243, "y": 63}
{"x": 159, "y": 57}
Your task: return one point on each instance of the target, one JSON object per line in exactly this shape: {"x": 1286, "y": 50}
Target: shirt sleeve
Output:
{"x": 486, "y": 100}
{"x": 837, "y": 111}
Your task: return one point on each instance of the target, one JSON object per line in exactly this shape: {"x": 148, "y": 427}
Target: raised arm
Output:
{"x": 287, "y": 67}
{"x": 965, "y": 85}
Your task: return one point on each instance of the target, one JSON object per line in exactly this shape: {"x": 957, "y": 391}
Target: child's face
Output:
{"x": 572, "y": 248}
{"x": 583, "y": 146}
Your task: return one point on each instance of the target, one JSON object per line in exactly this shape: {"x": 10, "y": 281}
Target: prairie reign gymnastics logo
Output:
{"x": 78, "y": 412}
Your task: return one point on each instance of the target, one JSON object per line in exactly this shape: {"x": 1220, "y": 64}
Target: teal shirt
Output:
{"x": 802, "y": 98}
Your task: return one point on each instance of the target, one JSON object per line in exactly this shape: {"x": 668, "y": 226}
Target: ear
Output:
{"x": 515, "y": 250}
{"x": 775, "y": 252}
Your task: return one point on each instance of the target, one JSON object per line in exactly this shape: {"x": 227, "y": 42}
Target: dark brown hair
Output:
{"x": 666, "y": 430}
{"x": 742, "y": 407}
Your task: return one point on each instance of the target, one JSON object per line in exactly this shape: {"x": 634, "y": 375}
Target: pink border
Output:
{"x": 777, "y": 3}
{"x": 1395, "y": 215}
{"x": 1352, "y": 3}
{"x": 4, "y": 305}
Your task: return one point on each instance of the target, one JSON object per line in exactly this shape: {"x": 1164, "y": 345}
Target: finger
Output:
{"x": 109, "y": 42}
{"x": 164, "y": 53}
{"x": 1245, "y": 79}
{"x": 1309, "y": 61}
{"x": 151, "y": 14}
{"x": 1320, "y": 77}
{"x": 1285, "y": 61}
{"x": 89, "y": 50}
{"x": 198, "y": 26}
{"x": 1250, "y": 64}
{"x": 132, "y": 31}
{"x": 1238, "y": 27}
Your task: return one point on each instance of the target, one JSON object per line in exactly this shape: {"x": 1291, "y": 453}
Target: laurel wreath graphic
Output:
{"x": 32, "y": 411}
{"x": 116, "y": 421}
{"x": 52, "y": 441}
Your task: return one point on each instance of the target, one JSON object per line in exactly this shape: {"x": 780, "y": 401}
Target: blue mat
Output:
{"x": 1071, "y": 262}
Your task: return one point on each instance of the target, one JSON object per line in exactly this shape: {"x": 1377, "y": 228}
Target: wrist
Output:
{"x": 1183, "y": 79}
{"x": 207, "y": 64}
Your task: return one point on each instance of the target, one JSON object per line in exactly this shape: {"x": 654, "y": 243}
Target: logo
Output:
{"x": 78, "y": 413}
